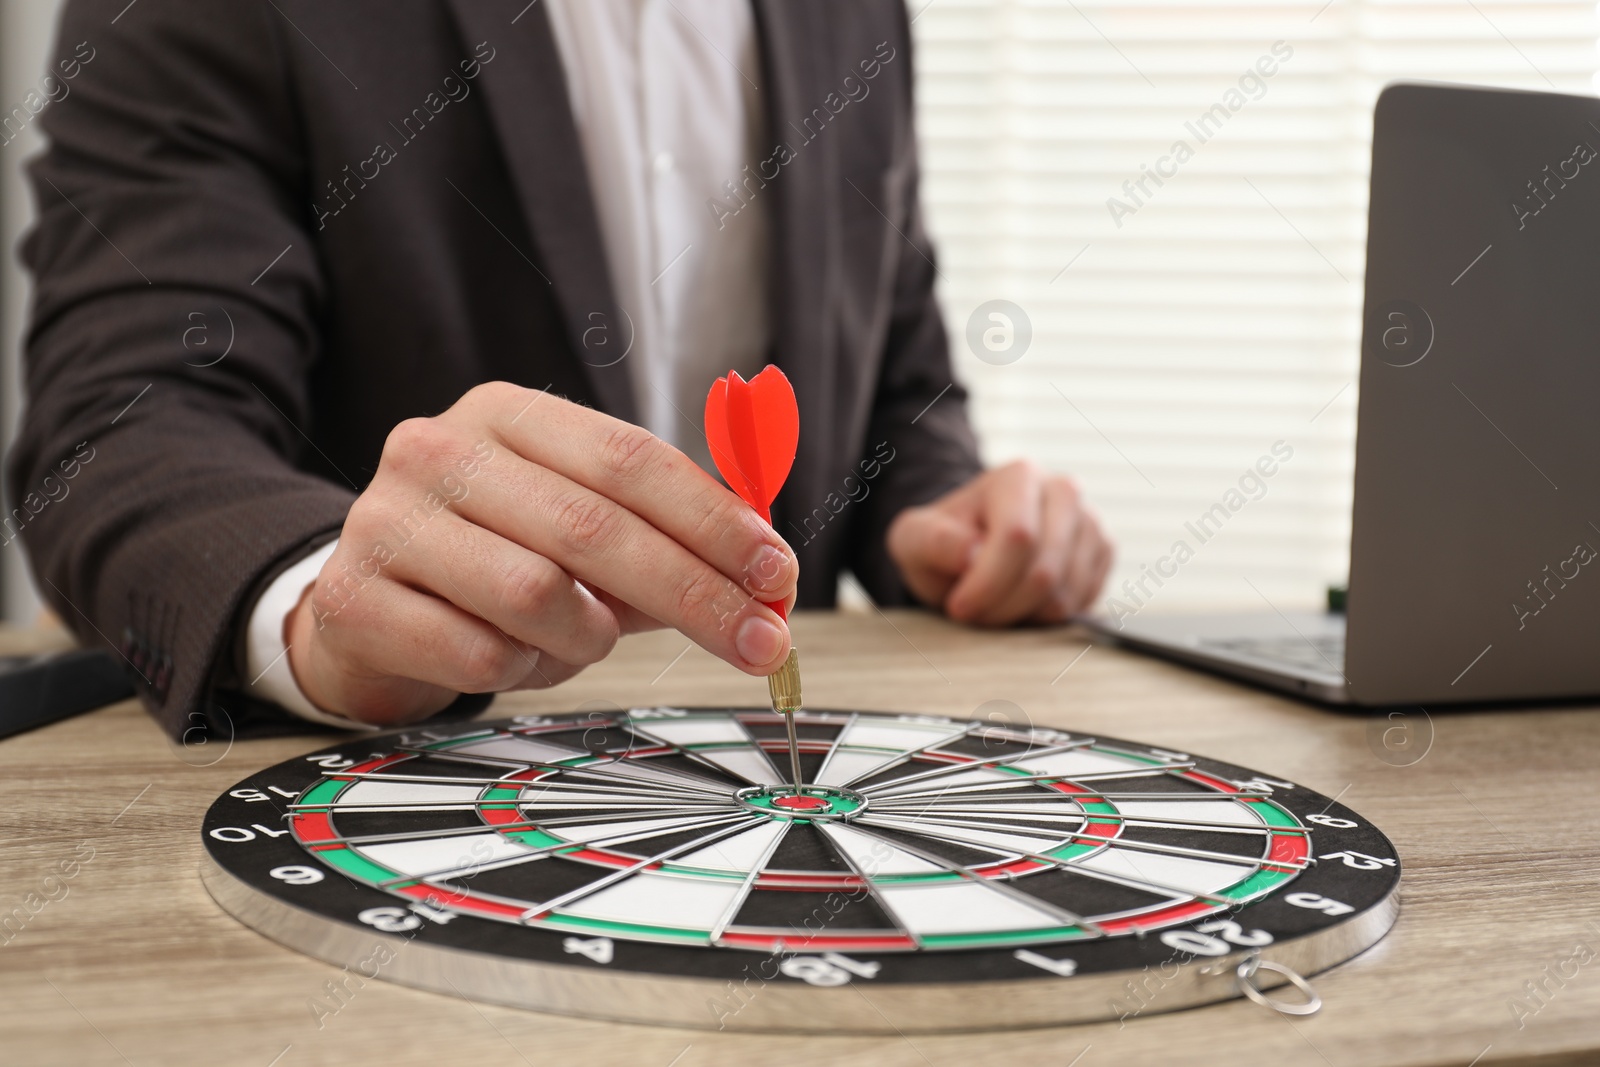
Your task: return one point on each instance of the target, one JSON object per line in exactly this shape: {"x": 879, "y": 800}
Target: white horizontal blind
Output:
{"x": 1222, "y": 314}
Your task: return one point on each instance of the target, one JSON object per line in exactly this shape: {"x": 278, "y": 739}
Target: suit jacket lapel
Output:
{"x": 526, "y": 90}
{"x": 794, "y": 40}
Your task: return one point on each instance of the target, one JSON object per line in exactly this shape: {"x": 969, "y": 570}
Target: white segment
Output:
{"x": 693, "y": 731}
{"x": 931, "y": 786}
{"x": 374, "y": 791}
{"x": 429, "y": 854}
{"x": 1179, "y": 873}
{"x": 900, "y": 736}
{"x": 523, "y": 749}
{"x": 961, "y": 908}
{"x": 874, "y": 856}
{"x": 991, "y": 809}
{"x": 574, "y": 795}
{"x": 747, "y": 763}
{"x": 1223, "y": 812}
{"x": 741, "y": 852}
{"x": 660, "y": 900}
{"x": 1080, "y": 761}
{"x": 639, "y": 772}
{"x": 848, "y": 766}
{"x": 1015, "y": 842}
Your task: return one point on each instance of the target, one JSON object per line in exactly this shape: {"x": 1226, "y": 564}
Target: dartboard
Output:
{"x": 656, "y": 865}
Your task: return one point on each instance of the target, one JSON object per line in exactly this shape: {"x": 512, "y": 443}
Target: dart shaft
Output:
{"x": 784, "y": 686}
{"x": 794, "y": 751}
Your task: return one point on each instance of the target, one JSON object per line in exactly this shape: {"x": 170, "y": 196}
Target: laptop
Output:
{"x": 1475, "y": 542}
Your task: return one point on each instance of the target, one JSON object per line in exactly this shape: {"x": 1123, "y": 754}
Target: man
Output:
{"x": 356, "y": 307}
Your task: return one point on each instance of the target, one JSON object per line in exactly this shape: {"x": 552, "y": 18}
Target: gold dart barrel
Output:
{"x": 784, "y": 685}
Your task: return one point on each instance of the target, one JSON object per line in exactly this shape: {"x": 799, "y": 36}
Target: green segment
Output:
{"x": 1007, "y": 937}
{"x": 355, "y": 865}
{"x": 1273, "y": 814}
{"x": 322, "y": 793}
{"x": 621, "y": 929}
{"x": 838, "y": 803}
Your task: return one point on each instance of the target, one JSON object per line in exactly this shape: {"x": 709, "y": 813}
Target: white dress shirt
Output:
{"x": 664, "y": 98}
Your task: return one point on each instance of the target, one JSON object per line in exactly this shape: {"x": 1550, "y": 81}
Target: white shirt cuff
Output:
{"x": 266, "y": 654}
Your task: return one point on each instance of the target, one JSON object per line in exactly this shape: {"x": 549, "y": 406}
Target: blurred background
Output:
{"x": 1163, "y": 338}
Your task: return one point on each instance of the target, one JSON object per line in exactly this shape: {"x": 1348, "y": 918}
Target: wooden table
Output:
{"x": 129, "y": 961}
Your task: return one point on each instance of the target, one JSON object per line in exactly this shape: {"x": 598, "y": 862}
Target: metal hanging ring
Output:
{"x": 1245, "y": 976}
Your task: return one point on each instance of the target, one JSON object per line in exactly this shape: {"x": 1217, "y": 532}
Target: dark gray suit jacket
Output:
{"x": 371, "y": 207}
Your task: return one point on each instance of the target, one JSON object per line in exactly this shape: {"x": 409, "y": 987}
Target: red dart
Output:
{"x": 753, "y": 428}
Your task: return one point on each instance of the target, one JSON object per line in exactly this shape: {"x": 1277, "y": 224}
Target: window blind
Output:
{"x": 1189, "y": 310}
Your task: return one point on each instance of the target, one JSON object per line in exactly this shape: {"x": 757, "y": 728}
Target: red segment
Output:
{"x": 437, "y": 896}
{"x": 799, "y": 803}
{"x": 1288, "y": 848}
{"x": 369, "y": 766}
{"x": 1206, "y": 779}
{"x": 819, "y": 942}
{"x": 1165, "y": 917}
{"x": 311, "y": 827}
{"x": 809, "y": 882}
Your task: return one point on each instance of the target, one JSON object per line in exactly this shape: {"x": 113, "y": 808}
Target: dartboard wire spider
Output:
{"x": 630, "y": 815}
{"x": 1129, "y": 820}
{"x": 887, "y": 789}
{"x": 456, "y": 870}
{"x": 1059, "y": 913}
{"x": 729, "y": 913}
{"x": 743, "y": 823}
{"x": 957, "y": 768}
{"x": 530, "y": 783}
{"x": 692, "y": 755}
{"x": 1114, "y": 842}
{"x": 687, "y": 782}
{"x": 1150, "y": 885}
{"x": 838, "y": 740}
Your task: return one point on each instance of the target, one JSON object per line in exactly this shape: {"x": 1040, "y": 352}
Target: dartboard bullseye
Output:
{"x": 657, "y": 866}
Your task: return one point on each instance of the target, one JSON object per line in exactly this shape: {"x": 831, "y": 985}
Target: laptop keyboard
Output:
{"x": 1323, "y": 653}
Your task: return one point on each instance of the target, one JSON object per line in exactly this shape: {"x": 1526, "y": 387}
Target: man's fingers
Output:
{"x": 605, "y": 545}
{"x": 519, "y": 592}
{"x": 383, "y": 630}
{"x": 932, "y": 549}
{"x": 1042, "y": 590}
{"x": 1089, "y": 577}
{"x": 1012, "y": 517}
{"x": 933, "y": 540}
{"x": 653, "y": 480}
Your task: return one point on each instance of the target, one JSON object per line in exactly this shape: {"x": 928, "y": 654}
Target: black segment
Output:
{"x": 534, "y": 881}
{"x": 1085, "y": 896}
{"x": 777, "y": 730}
{"x": 810, "y": 913}
{"x": 991, "y": 745}
{"x": 353, "y": 822}
{"x": 1251, "y": 846}
{"x": 951, "y": 852}
{"x": 654, "y": 846}
{"x": 803, "y": 848}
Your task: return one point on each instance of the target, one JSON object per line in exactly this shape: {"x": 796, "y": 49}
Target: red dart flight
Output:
{"x": 753, "y": 428}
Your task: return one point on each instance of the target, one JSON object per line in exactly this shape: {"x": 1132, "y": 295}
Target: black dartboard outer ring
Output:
{"x": 633, "y": 865}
